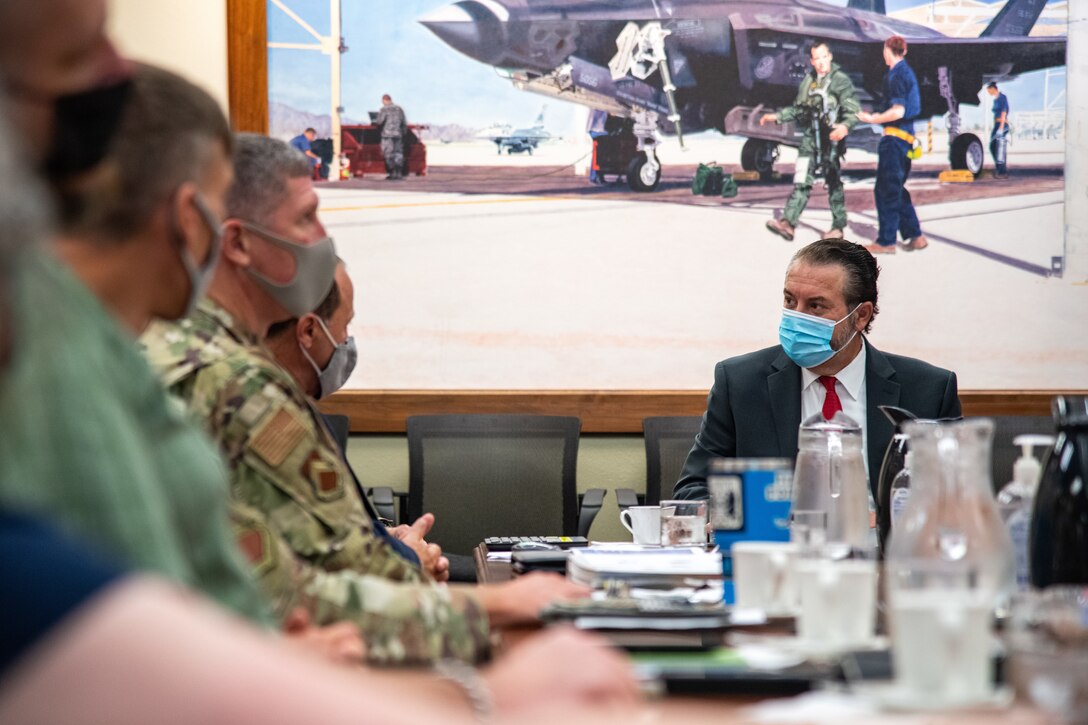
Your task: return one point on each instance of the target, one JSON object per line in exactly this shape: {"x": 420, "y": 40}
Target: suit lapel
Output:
{"x": 784, "y": 386}
{"x": 880, "y": 389}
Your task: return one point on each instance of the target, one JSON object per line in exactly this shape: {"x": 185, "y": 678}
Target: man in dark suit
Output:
{"x": 823, "y": 365}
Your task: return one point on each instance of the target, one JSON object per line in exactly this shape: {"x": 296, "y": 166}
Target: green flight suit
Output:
{"x": 843, "y": 105}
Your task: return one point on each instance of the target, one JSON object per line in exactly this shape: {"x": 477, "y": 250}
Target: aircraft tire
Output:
{"x": 638, "y": 176}
{"x": 759, "y": 155}
{"x": 967, "y": 152}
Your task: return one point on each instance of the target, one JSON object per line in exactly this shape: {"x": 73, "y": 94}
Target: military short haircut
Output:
{"x": 992, "y": 84}
{"x": 818, "y": 44}
{"x": 896, "y": 44}
{"x": 262, "y": 168}
{"x": 167, "y": 136}
{"x": 860, "y": 266}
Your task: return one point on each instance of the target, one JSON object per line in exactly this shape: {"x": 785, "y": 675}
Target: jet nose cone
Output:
{"x": 473, "y": 27}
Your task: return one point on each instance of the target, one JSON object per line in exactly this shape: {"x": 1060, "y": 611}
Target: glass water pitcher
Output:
{"x": 830, "y": 477}
{"x": 951, "y": 515}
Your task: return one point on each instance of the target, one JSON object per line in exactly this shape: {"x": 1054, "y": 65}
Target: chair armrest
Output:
{"x": 589, "y": 505}
{"x": 626, "y": 498}
{"x": 384, "y": 502}
{"x": 402, "y": 506}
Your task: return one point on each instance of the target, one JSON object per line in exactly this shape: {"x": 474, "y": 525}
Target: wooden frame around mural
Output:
{"x": 601, "y": 411}
{"x": 247, "y": 64}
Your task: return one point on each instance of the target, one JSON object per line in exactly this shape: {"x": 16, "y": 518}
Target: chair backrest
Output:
{"x": 1007, "y": 427}
{"x": 493, "y": 475}
{"x": 668, "y": 441}
{"x": 340, "y": 427}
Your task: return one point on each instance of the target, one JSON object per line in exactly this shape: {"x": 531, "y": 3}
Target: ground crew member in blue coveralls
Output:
{"x": 999, "y": 136}
{"x": 902, "y": 104}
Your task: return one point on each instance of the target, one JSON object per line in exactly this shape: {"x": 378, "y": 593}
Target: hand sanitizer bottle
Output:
{"x": 1017, "y": 498}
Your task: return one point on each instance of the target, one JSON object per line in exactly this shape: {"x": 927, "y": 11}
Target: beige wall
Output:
{"x": 603, "y": 462}
{"x": 187, "y": 36}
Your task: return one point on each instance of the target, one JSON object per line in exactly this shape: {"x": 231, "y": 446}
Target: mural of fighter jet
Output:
{"x": 682, "y": 66}
{"x": 519, "y": 140}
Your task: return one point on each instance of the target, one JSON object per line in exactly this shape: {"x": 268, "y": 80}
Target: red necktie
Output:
{"x": 832, "y": 404}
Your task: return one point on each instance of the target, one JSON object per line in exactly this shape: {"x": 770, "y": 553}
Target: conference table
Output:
{"x": 738, "y": 709}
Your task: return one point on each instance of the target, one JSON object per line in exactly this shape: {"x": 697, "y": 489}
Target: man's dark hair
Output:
{"x": 818, "y": 44}
{"x": 860, "y": 266}
{"x": 167, "y": 136}
{"x": 992, "y": 84}
{"x": 325, "y": 311}
{"x": 387, "y": 97}
{"x": 310, "y": 130}
{"x": 897, "y": 44}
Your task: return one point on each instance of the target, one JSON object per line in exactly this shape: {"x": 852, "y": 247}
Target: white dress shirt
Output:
{"x": 850, "y": 385}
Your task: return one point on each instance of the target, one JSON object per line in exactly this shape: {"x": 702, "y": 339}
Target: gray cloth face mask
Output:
{"x": 340, "y": 365}
{"x": 200, "y": 275}
{"x": 315, "y": 267}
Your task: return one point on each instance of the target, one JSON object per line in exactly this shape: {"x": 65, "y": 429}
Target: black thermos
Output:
{"x": 1059, "y": 524}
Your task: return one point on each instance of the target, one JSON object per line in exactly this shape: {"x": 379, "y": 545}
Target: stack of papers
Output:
{"x": 594, "y": 566}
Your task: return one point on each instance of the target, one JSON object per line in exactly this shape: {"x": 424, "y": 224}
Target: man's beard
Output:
{"x": 840, "y": 338}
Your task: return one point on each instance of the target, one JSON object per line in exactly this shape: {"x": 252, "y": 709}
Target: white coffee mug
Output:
{"x": 838, "y": 602}
{"x": 763, "y": 576}
{"x": 644, "y": 523}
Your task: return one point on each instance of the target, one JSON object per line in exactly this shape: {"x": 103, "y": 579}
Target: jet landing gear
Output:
{"x": 644, "y": 172}
{"x": 967, "y": 152}
{"x": 759, "y": 155}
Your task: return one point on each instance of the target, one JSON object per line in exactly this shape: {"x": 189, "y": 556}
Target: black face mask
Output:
{"x": 84, "y": 125}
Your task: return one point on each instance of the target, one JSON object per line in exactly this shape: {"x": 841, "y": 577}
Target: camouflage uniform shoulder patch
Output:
{"x": 276, "y": 436}
{"x": 257, "y": 545}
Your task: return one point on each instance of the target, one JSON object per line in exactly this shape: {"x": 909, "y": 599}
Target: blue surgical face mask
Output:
{"x": 341, "y": 363}
{"x": 807, "y": 338}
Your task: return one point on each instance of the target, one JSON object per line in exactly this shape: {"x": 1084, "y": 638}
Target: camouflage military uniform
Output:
{"x": 297, "y": 514}
{"x": 393, "y": 125}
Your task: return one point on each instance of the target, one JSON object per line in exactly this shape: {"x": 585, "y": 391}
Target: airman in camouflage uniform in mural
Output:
{"x": 304, "y": 530}
{"x": 394, "y": 127}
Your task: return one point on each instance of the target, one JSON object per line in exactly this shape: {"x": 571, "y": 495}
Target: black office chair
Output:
{"x": 668, "y": 441}
{"x": 386, "y": 501}
{"x": 497, "y": 475}
{"x": 340, "y": 427}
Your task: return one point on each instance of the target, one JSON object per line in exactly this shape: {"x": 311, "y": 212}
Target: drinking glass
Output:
{"x": 683, "y": 523}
